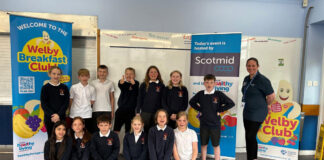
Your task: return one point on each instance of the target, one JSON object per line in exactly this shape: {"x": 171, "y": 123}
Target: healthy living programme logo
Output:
{"x": 25, "y": 146}
{"x": 41, "y": 53}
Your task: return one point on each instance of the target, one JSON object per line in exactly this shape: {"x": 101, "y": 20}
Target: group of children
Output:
{"x": 91, "y": 109}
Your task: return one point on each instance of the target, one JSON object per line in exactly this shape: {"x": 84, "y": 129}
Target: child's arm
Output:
{"x": 140, "y": 98}
{"x": 169, "y": 149}
{"x": 112, "y": 103}
{"x": 194, "y": 102}
{"x": 194, "y": 150}
{"x": 93, "y": 96}
{"x": 225, "y": 103}
{"x": 116, "y": 147}
{"x": 175, "y": 152}
{"x": 126, "y": 153}
{"x": 68, "y": 149}
{"x": 151, "y": 145}
{"x": 66, "y": 103}
{"x": 46, "y": 150}
{"x": 185, "y": 99}
{"x": 93, "y": 149}
{"x": 44, "y": 102}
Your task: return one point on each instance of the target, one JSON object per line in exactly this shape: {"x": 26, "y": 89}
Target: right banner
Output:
{"x": 278, "y": 136}
{"x": 217, "y": 54}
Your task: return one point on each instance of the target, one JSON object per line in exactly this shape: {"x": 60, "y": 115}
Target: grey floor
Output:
{"x": 6, "y": 154}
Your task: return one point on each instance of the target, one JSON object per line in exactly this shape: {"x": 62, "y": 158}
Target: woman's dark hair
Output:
{"x": 86, "y": 135}
{"x": 52, "y": 142}
{"x": 253, "y": 59}
{"x": 147, "y": 77}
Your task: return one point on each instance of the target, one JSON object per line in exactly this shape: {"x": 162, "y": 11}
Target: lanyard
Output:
{"x": 246, "y": 88}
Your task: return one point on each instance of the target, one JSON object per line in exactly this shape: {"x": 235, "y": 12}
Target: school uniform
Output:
{"x": 80, "y": 151}
{"x": 149, "y": 101}
{"x": 54, "y": 100}
{"x": 81, "y": 105}
{"x": 174, "y": 100}
{"x": 183, "y": 141}
{"x": 102, "y": 105}
{"x": 135, "y": 147}
{"x": 67, "y": 150}
{"x": 126, "y": 105}
{"x": 210, "y": 104}
{"x": 104, "y": 147}
{"x": 160, "y": 143}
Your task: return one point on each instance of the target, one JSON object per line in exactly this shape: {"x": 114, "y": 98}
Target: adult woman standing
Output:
{"x": 257, "y": 96}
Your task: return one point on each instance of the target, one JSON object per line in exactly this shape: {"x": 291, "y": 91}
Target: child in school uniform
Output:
{"x": 161, "y": 138}
{"x": 105, "y": 99}
{"x": 59, "y": 145}
{"x": 210, "y": 104}
{"x": 186, "y": 141}
{"x": 127, "y": 100}
{"x": 175, "y": 97}
{"x": 104, "y": 143}
{"x": 150, "y": 96}
{"x": 82, "y": 97}
{"x": 135, "y": 143}
{"x": 54, "y": 99}
{"x": 81, "y": 140}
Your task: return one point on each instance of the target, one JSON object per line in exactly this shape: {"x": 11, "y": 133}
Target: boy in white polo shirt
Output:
{"x": 105, "y": 102}
{"x": 82, "y": 96}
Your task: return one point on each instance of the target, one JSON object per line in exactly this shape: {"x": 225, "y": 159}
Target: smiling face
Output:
{"x": 137, "y": 126}
{"x": 77, "y": 126}
{"x": 252, "y": 67}
{"x": 83, "y": 78}
{"x": 102, "y": 73}
{"x": 284, "y": 93}
{"x": 46, "y": 37}
{"x": 55, "y": 76}
{"x": 182, "y": 123}
{"x": 60, "y": 132}
{"x": 153, "y": 74}
{"x": 161, "y": 119}
{"x": 175, "y": 78}
{"x": 129, "y": 75}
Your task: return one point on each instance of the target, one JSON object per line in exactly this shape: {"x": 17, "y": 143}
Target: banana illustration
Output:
{"x": 21, "y": 128}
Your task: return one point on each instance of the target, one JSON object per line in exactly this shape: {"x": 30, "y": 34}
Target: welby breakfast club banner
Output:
{"x": 36, "y": 45}
{"x": 217, "y": 54}
{"x": 278, "y": 136}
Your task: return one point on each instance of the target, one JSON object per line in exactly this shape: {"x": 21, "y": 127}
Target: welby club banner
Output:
{"x": 217, "y": 54}
{"x": 278, "y": 136}
{"x": 36, "y": 45}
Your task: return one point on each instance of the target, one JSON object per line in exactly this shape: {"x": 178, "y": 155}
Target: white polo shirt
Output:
{"x": 82, "y": 97}
{"x": 103, "y": 90}
{"x": 183, "y": 141}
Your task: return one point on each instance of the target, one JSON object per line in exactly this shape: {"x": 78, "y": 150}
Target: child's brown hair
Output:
{"x": 54, "y": 67}
{"x": 83, "y": 72}
{"x": 147, "y": 77}
{"x": 157, "y": 113}
{"x": 86, "y": 135}
{"x": 130, "y": 69}
{"x": 209, "y": 77}
{"x": 103, "y": 119}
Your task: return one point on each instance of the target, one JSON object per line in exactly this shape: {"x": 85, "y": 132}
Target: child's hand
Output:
{"x": 173, "y": 117}
{"x": 55, "y": 118}
{"x": 132, "y": 81}
{"x": 122, "y": 80}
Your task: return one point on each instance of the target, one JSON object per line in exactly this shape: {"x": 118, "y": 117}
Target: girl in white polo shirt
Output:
{"x": 186, "y": 141}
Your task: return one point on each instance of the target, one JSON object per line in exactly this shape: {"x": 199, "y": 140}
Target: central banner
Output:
{"x": 36, "y": 45}
{"x": 217, "y": 54}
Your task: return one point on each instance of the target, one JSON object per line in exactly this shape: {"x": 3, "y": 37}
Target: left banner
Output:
{"x": 36, "y": 45}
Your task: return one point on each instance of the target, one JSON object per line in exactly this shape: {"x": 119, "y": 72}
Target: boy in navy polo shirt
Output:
{"x": 104, "y": 144}
{"x": 210, "y": 104}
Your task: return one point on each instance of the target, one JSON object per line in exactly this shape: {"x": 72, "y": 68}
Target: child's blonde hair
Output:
{"x": 170, "y": 81}
{"x": 181, "y": 114}
{"x": 83, "y": 72}
{"x": 137, "y": 118}
{"x": 54, "y": 67}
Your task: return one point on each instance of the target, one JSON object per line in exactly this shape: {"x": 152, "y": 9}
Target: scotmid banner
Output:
{"x": 217, "y": 54}
{"x": 36, "y": 45}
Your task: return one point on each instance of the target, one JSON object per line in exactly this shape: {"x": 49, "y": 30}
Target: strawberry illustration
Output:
{"x": 281, "y": 141}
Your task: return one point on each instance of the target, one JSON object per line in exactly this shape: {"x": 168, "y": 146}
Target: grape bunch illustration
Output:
{"x": 33, "y": 122}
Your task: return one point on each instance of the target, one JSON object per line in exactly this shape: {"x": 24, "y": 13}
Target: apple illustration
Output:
{"x": 23, "y": 112}
{"x": 230, "y": 121}
{"x": 281, "y": 141}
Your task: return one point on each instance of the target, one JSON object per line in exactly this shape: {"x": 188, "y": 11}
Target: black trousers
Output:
{"x": 123, "y": 117}
{"x": 251, "y": 130}
{"x": 149, "y": 120}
